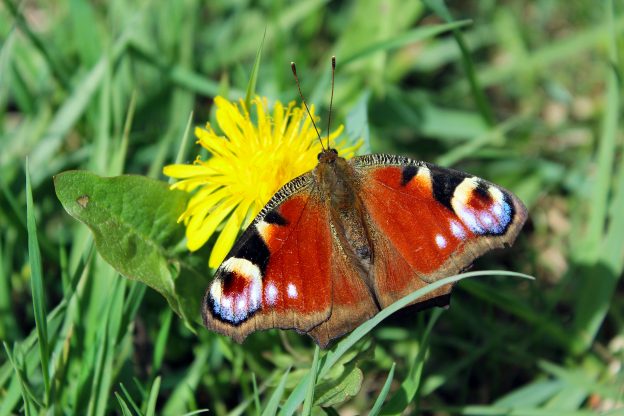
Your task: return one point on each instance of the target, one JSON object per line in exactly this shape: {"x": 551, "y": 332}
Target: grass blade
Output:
{"x": 298, "y": 394}
{"x": 153, "y": 396}
{"x": 128, "y": 397}
{"x": 120, "y": 156}
{"x": 36, "y": 281}
{"x": 273, "y": 403}
{"x": 28, "y": 396}
{"x": 183, "y": 145}
{"x": 366, "y": 327}
{"x": 307, "y": 404}
{"x": 596, "y": 294}
{"x": 161, "y": 340}
{"x": 606, "y": 151}
{"x": 256, "y": 394}
{"x": 251, "y": 86}
{"x": 103, "y": 373}
{"x": 383, "y": 393}
{"x": 72, "y": 109}
{"x": 505, "y": 411}
{"x": 412, "y": 36}
{"x": 125, "y": 410}
{"x": 56, "y": 68}
{"x": 411, "y": 384}
{"x": 439, "y": 7}
{"x": 545, "y": 58}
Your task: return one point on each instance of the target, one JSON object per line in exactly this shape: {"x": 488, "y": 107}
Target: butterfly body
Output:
{"x": 337, "y": 244}
{"x": 339, "y": 188}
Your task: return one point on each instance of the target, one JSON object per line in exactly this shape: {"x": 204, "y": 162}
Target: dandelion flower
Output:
{"x": 245, "y": 168}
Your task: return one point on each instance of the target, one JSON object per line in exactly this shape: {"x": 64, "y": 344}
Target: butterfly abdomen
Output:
{"x": 340, "y": 190}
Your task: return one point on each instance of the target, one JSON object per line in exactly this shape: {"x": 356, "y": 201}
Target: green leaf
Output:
{"x": 135, "y": 228}
{"x": 348, "y": 385}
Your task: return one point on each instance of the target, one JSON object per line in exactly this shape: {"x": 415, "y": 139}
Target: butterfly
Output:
{"x": 337, "y": 244}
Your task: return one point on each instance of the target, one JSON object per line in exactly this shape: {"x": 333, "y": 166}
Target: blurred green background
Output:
{"x": 525, "y": 94}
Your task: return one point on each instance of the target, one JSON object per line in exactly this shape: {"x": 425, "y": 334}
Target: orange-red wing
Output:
{"x": 429, "y": 222}
{"x": 352, "y": 300}
{"x": 278, "y": 274}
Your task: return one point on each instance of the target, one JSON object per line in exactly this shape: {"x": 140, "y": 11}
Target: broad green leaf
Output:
{"x": 135, "y": 228}
{"x": 347, "y": 386}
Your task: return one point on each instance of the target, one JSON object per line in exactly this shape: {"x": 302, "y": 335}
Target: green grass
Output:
{"x": 525, "y": 94}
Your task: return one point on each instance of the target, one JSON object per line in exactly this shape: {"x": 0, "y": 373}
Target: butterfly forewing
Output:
{"x": 428, "y": 222}
{"x": 277, "y": 275}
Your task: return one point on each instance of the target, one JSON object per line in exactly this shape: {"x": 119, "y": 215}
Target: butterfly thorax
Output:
{"x": 338, "y": 186}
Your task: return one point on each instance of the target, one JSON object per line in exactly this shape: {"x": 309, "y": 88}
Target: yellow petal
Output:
{"x": 197, "y": 237}
{"x": 179, "y": 171}
{"x": 278, "y": 122}
{"x": 189, "y": 185}
{"x": 203, "y": 202}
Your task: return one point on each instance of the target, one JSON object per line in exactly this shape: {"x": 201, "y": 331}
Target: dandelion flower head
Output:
{"x": 247, "y": 164}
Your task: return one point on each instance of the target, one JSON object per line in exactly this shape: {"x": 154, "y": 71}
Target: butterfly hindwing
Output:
{"x": 429, "y": 222}
{"x": 352, "y": 300}
{"x": 277, "y": 275}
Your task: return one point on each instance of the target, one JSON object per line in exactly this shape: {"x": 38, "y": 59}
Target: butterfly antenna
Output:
{"x": 331, "y": 100}
{"x": 294, "y": 71}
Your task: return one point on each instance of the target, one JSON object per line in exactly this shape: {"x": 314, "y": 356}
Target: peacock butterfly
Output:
{"x": 337, "y": 244}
